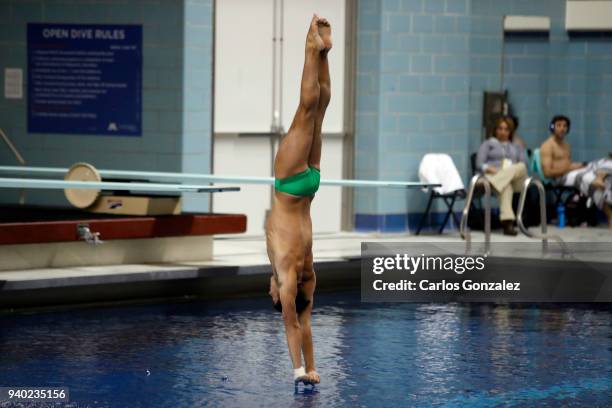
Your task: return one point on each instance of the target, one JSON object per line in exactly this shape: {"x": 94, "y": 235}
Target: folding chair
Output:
{"x": 439, "y": 168}
{"x": 449, "y": 199}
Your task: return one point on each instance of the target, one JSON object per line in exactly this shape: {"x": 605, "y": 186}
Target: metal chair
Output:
{"x": 449, "y": 199}
{"x": 439, "y": 168}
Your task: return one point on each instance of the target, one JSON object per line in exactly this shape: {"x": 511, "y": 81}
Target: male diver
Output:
{"x": 289, "y": 227}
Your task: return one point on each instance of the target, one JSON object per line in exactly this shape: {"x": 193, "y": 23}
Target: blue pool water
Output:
{"x": 234, "y": 354}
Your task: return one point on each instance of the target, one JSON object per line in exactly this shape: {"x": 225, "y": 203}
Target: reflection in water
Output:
{"x": 234, "y": 354}
{"x": 437, "y": 351}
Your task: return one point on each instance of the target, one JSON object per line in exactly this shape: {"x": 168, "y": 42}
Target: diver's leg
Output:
{"x": 294, "y": 149}
{"x": 314, "y": 159}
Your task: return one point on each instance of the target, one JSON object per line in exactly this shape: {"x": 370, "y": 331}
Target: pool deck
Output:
{"x": 240, "y": 267}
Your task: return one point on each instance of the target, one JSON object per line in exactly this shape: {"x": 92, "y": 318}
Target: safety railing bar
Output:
{"x": 11, "y": 146}
{"x": 463, "y": 230}
{"x": 544, "y": 236}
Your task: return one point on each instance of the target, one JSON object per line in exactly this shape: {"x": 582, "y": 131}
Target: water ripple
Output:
{"x": 234, "y": 353}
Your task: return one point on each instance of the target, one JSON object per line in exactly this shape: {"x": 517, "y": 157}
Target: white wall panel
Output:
{"x": 298, "y": 14}
{"x": 243, "y": 101}
{"x": 244, "y": 62}
{"x": 250, "y": 156}
{"x": 244, "y": 156}
{"x": 326, "y": 208}
{"x": 243, "y": 65}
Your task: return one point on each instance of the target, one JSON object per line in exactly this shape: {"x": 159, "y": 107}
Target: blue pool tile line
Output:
{"x": 402, "y": 222}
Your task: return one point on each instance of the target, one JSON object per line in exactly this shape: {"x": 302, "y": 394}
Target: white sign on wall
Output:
{"x": 13, "y": 83}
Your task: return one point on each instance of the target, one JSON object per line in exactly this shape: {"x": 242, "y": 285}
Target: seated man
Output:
{"x": 555, "y": 154}
{"x": 593, "y": 180}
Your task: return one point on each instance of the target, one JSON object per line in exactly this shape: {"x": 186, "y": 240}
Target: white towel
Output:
{"x": 439, "y": 168}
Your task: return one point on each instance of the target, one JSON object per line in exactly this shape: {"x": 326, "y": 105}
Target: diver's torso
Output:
{"x": 289, "y": 227}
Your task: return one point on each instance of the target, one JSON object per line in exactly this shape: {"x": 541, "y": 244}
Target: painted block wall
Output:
{"x": 421, "y": 69}
{"x": 562, "y": 74}
{"x": 418, "y": 90}
{"x": 367, "y": 115}
{"x": 435, "y": 59}
{"x": 176, "y": 91}
{"x": 597, "y": 136}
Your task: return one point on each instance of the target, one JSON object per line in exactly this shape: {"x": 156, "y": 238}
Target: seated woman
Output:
{"x": 505, "y": 166}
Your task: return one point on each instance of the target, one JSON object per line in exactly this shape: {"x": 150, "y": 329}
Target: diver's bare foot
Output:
{"x": 325, "y": 33}
{"x": 313, "y": 39}
{"x": 313, "y": 377}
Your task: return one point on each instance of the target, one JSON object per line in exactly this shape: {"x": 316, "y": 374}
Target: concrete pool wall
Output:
{"x": 239, "y": 268}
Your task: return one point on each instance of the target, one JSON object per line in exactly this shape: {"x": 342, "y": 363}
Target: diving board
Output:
{"x": 211, "y": 178}
{"x": 85, "y": 189}
{"x": 29, "y": 183}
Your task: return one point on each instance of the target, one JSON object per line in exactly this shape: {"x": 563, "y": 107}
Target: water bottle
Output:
{"x": 561, "y": 215}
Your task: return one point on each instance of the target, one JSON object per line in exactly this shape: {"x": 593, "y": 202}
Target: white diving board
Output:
{"x": 191, "y": 177}
{"x": 28, "y": 183}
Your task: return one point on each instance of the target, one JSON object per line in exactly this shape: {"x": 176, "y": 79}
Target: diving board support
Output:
{"x": 463, "y": 228}
{"x": 34, "y": 240}
{"x": 11, "y": 146}
{"x": 19, "y": 158}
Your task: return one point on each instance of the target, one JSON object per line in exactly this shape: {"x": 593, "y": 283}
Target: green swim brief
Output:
{"x": 302, "y": 184}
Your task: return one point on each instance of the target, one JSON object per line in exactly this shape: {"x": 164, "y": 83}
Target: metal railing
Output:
{"x": 463, "y": 230}
{"x": 544, "y": 236}
{"x": 9, "y": 143}
{"x": 11, "y": 146}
